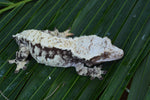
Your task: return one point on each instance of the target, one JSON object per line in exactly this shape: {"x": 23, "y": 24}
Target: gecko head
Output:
{"x": 110, "y": 53}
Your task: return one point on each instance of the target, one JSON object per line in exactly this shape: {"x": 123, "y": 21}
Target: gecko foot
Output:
{"x": 20, "y": 64}
{"x": 95, "y": 72}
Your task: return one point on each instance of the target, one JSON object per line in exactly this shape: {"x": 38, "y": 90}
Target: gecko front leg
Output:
{"x": 21, "y": 58}
{"x": 59, "y": 34}
{"x": 65, "y": 33}
{"x": 92, "y": 72}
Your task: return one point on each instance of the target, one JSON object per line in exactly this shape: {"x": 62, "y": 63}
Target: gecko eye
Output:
{"x": 107, "y": 42}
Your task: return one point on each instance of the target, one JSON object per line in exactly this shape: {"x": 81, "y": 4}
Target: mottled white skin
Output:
{"x": 90, "y": 48}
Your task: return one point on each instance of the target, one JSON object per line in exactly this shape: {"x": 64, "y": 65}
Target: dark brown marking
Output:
{"x": 103, "y": 56}
{"x": 33, "y": 46}
{"x": 56, "y": 51}
{"x": 106, "y": 42}
{"x": 39, "y": 46}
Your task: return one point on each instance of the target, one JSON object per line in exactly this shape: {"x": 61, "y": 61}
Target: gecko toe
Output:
{"x": 104, "y": 72}
{"x": 24, "y": 68}
{"x": 100, "y": 78}
{"x": 16, "y": 71}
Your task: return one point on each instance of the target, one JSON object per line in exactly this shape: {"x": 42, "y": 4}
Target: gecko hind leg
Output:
{"x": 95, "y": 72}
{"x": 20, "y": 59}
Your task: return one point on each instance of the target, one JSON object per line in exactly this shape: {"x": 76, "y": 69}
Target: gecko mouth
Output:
{"x": 108, "y": 56}
{"x": 117, "y": 54}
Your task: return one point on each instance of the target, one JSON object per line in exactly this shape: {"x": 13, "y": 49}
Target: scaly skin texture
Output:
{"x": 54, "y": 48}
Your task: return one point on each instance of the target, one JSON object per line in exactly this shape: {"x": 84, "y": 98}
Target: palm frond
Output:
{"x": 125, "y": 22}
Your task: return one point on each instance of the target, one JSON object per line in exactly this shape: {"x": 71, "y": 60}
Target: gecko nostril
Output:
{"x": 122, "y": 53}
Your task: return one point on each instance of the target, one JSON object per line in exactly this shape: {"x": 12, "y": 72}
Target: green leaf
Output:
{"x": 5, "y": 3}
{"x": 147, "y": 97}
{"x": 140, "y": 83}
{"x": 125, "y": 22}
{"x": 11, "y": 5}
